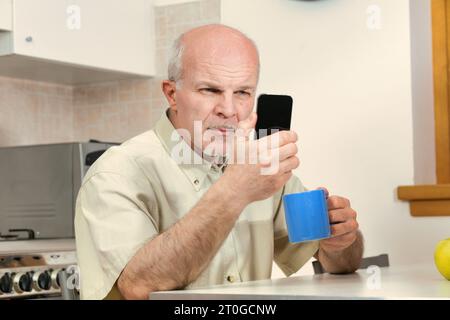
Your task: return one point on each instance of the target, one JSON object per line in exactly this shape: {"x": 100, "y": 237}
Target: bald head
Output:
{"x": 211, "y": 44}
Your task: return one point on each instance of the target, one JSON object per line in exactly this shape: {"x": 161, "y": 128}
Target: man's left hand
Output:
{"x": 343, "y": 222}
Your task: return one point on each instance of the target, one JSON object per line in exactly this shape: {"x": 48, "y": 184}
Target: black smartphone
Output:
{"x": 274, "y": 114}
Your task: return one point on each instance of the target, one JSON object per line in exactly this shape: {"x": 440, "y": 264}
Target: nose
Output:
{"x": 225, "y": 107}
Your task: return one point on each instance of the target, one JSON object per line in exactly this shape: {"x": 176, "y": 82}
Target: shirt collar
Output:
{"x": 195, "y": 168}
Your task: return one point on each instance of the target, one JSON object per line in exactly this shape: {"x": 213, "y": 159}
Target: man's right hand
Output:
{"x": 245, "y": 179}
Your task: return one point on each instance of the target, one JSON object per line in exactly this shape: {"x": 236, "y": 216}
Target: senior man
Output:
{"x": 146, "y": 222}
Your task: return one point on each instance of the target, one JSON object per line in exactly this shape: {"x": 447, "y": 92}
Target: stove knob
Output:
{"x": 42, "y": 281}
{"x": 6, "y": 283}
{"x": 22, "y": 282}
{"x": 55, "y": 278}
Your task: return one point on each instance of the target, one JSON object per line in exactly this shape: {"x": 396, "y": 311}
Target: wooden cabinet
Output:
{"x": 76, "y": 41}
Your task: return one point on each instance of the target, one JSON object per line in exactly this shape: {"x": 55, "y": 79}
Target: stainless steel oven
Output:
{"x": 38, "y": 189}
{"x": 39, "y": 186}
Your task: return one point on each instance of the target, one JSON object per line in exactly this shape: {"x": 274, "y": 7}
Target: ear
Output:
{"x": 169, "y": 89}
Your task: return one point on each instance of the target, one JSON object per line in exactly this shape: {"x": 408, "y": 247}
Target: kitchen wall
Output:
{"x": 36, "y": 112}
{"x": 348, "y": 66}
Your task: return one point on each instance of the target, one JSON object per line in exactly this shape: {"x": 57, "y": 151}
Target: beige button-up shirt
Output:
{"x": 136, "y": 191}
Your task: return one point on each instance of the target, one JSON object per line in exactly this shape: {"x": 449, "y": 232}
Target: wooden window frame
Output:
{"x": 434, "y": 200}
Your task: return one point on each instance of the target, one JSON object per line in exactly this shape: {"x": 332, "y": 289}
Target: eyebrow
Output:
{"x": 214, "y": 85}
{"x": 208, "y": 84}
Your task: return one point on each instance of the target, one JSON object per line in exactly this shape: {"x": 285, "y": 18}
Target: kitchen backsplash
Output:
{"x": 36, "y": 112}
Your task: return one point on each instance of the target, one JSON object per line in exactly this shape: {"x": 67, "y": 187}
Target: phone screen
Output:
{"x": 274, "y": 114}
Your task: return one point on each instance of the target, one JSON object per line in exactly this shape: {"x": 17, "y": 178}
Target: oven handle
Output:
{"x": 30, "y": 232}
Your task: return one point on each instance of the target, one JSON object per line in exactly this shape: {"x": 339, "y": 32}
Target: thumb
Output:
{"x": 325, "y": 190}
{"x": 248, "y": 124}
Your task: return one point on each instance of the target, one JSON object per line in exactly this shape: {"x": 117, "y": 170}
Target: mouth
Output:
{"x": 223, "y": 130}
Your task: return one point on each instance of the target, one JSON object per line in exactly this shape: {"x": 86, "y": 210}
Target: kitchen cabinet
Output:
{"x": 76, "y": 41}
{"x": 5, "y": 15}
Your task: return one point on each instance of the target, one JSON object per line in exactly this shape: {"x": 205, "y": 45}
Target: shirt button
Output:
{"x": 230, "y": 279}
{"x": 196, "y": 182}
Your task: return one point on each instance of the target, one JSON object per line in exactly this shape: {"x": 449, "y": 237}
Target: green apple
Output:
{"x": 442, "y": 258}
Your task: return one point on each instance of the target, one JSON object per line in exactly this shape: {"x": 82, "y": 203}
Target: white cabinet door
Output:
{"x": 113, "y": 35}
{"x": 6, "y": 15}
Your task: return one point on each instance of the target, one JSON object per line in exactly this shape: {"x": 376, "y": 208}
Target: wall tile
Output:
{"x": 33, "y": 112}
{"x": 142, "y": 89}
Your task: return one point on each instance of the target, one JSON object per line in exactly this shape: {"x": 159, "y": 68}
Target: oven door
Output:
{"x": 36, "y": 191}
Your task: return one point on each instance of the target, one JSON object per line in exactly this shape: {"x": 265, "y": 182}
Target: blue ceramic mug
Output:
{"x": 307, "y": 216}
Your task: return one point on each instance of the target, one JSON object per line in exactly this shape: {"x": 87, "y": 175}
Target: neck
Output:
{"x": 172, "y": 116}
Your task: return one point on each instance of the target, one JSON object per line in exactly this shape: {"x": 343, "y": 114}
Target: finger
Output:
{"x": 343, "y": 228}
{"x": 289, "y": 164}
{"x": 336, "y": 202}
{"x": 278, "y": 139}
{"x": 348, "y": 237}
{"x": 272, "y": 156}
{"x": 325, "y": 190}
{"x": 341, "y": 215}
{"x": 247, "y": 125}
{"x": 337, "y": 241}
{"x": 286, "y": 151}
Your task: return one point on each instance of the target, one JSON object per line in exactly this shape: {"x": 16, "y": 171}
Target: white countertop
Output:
{"x": 37, "y": 245}
{"x": 395, "y": 282}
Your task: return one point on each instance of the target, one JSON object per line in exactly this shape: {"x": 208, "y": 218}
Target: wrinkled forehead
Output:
{"x": 227, "y": 55}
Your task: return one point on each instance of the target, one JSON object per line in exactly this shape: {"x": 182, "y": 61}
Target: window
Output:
{"x": 434, "y": 200}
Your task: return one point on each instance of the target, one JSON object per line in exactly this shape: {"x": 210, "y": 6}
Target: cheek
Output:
{"x": 195, "y": 107}
{"x": 244, "y": 109}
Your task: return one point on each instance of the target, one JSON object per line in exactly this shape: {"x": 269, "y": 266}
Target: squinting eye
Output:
{"x": 210, "y": 90}
{"x": 243, "y": 93}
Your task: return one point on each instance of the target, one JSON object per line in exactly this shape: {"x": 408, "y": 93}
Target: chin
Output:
{"x": 216, "y": 149}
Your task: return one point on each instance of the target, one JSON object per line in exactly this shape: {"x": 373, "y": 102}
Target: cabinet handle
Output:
{"x": 29, "y": 39}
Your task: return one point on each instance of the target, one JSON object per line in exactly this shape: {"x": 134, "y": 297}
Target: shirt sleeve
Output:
{"x": 290, "y": 257}
{"x": 115, "y": 217}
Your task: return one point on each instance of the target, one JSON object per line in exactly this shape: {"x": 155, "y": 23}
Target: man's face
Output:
{"x": 216, "y": 92}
